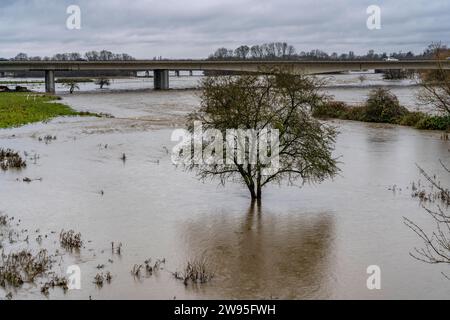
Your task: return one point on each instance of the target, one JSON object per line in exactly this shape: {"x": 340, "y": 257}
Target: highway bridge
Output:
{"x": 161, "y": 67}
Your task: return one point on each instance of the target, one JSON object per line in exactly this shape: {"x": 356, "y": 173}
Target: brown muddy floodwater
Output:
{"x": 302, "y": 243}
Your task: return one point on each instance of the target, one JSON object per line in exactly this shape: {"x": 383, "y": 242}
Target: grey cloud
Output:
{"x": 181, "y": 29}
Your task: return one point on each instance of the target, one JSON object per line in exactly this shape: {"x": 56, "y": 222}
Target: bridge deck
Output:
{"x": 161, "y": 67}
{"x": 308, "y": 67}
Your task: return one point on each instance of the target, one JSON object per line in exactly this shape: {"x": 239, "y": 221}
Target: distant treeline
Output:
{"x": 76, "y": 74}
{"x": 285, "y": 51}
{"x": 103, "y": 55}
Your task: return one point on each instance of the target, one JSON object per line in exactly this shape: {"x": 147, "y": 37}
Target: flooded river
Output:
{"x": 302, "y": 243}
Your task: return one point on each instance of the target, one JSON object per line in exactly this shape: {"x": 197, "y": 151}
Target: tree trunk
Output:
{"x": 253, "y": 194}
{"x": 258, "y": 192}
{"x": 258, "y": 185}
{"x": 255, "y": 191}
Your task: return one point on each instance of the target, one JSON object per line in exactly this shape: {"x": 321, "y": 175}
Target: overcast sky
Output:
{"x": 195, "y": 28}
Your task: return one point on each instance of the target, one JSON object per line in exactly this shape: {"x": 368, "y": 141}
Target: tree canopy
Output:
{"x": 270, "y": 134}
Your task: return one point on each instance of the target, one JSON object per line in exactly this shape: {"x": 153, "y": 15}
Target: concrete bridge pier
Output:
{"x": 161, "y": 79}
{"x": 50, "y": 81}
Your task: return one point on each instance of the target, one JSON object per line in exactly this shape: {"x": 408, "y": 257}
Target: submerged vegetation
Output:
{"x": 150, "y": 268}
{"x": 36, "y": 267}
{"x": 3, "y": 220}
{"x": 381, "y": 107}
{"x": 11, "y": 159}
{"x": 70, "y": 240}
{"x": 72, "y": 86}
{"x": 23, "y": 266}
{"x": 41, "y": 269}
{"x": 195, "y": 271}
{"x": 435, "y": 200}
{"x": 101, "y": 82}
{"x": 55, "y": 281}
{"x": 397, "y": 74}
{"x": 100, "y": 278}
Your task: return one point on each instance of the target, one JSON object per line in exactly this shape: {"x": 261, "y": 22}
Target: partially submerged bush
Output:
{"x": 383, "y": 106}
{"x": 100, "y": 278}
{"x": 412, "y": 118}
{"x": 338, "y": 110}
{"x": 102, "y": 82}
{"x": 18, "y": 268}
{"x": 330, "y": 109}
{"x": 56, "y": 281}
{"x": 25, "y": 266}
{"x": 434, "y": 123}
{"x": 47, "y": 138}
{"x": 150, "y": 267}
{"x": 11, "y": 159}
{"x": 70, "y": 240}
{"x": 196, "y": 271}
{"x": 435, "y": 199}
{"x": 3, "y": 220}
{"x": 136, "y": 271}
{"x": 396, "y": 74}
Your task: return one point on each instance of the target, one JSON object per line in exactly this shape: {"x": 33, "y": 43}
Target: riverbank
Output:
{"x": 415, "y": 119}
{"x": 20, "y": 108}
{"x": 382, "y": 106}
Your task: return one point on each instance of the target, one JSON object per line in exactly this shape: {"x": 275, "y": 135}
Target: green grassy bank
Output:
{"x": 19, "y": 108}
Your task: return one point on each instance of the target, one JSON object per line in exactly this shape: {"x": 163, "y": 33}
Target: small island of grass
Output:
{"x": 20, "y": 108}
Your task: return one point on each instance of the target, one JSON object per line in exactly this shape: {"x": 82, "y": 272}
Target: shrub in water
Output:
{"x": 10, "y": 159}
{"x": 383, "y": 106}
{"x": 434, "y": 123}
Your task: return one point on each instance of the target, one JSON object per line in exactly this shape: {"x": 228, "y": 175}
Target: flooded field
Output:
{"x": 344, "y": 87}
{"x": 302, "y": 243}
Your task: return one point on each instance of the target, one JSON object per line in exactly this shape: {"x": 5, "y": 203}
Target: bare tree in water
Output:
{"x": 436, "y": 249}
{"x": 102, "y": 82}
{"x": 435, "y": 84}
{"x": 435, "y": 91}
{"x": 72, "y": 85}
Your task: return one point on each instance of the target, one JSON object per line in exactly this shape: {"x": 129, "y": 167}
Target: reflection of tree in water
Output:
{"x": 263, "y": 255}
{"x": 436, "y": 248}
